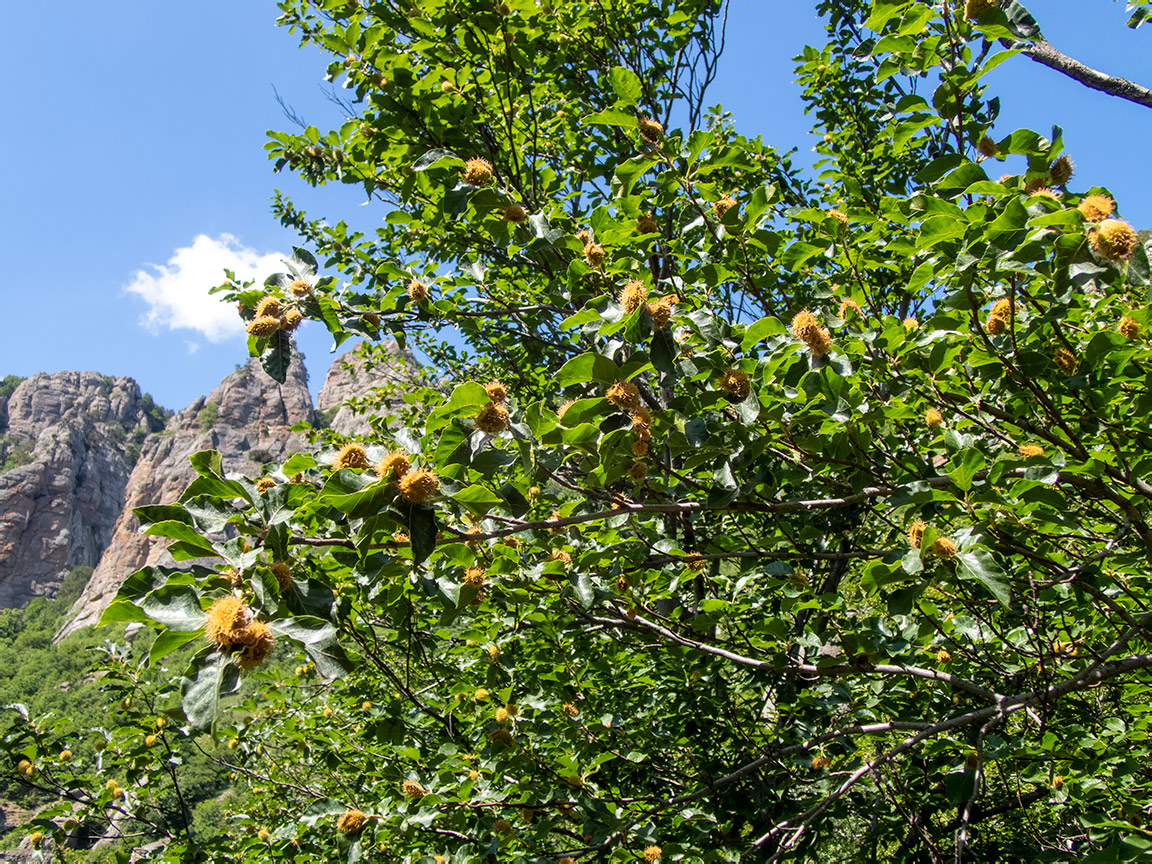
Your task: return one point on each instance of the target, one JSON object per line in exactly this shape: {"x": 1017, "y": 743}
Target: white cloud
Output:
{"x": 177, "y": 292}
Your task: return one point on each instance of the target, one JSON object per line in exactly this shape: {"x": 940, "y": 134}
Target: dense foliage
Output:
{"x": 8, "y": 385}
{"x": 759, "y": 517}
{"x": 58, "y": 683}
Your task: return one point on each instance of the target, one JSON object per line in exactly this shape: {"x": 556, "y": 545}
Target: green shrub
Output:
{"x": 14, "y": 454}
{"x": 7, "y": 386}
{"x": 206, "y": 419}
{"x": 323, "y": 419}
{"x": 73, "y": 585}
{"x": 155, "y": 415}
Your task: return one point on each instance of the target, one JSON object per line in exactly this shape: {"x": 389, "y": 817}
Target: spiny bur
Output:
{"x": 477, "y": 172}
{"x": 351, "y": 455}
{"x": 418, "y": 486}
{"x": 650, "y": 130}
{"x": 1114, "y": 239}
{"x": 493, "y": 418}
{"x": 1096, "y": 208}
{"x": 263, "y": 327}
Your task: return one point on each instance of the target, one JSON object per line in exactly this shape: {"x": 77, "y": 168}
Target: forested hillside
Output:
{"x": 62, "y": 683}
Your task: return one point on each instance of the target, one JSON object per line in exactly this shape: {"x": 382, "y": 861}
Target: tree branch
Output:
{"x": 1045, "y": 54}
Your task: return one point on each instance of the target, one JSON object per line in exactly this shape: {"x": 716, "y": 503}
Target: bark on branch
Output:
{"x": 1044, "y": 53}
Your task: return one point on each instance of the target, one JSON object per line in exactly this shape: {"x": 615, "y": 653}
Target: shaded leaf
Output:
{"x": 978, "y": 564}
{"x": 626, "y": 85}
{"x": 276, "y": 356}
{"x": 177, "y": 607}
{"x": 210, "y": 676}
{"x": 585, "y": 368}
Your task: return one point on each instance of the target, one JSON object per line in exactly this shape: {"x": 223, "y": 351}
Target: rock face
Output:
{"x": 71, "y": 442}
{"x": 247, "y": 418}
{"x": 383, "y": 370}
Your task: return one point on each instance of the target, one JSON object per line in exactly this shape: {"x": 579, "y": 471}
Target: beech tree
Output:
{"x": 759, "y": 516}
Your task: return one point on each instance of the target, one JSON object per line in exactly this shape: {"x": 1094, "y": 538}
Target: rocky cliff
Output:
{"x": 69, "y": 447}
{"x": 380, "y": 371}
{"x": 246, "y": 418}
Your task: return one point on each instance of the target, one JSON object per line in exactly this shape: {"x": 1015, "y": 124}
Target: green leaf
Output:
{"x": 209, "y": 515}
{"x": 920, "y": 276}
{"x": 305, "y": 629}
{"x": 477, "y": 499}
{"x": 209, "y": 676}
{"x": 169, "y": 641}
{"x": 757, "y": 205}
{"x": 208, "y": 463}
{"x": 267, "y": 590}
{"x": 1007, "y": 230}
{"x": 1046, "y": 474}
{"x": 1021, "y": 22}
{"x": 308, "y": 597}
{"x": 612, "y": 117}
{"x": 582, "y": 585}
{"x": 181, "y": 551}
{"x": 330, "y": 658}
{"x": 437, "y": 158}
{"x": 748, "y": 408}
{"x": 177, "y": 607}
{"x": 299, "y": 462}
{"x": 276, "y": 356}
{"x": 761, "y": 330}
{"x": 965, "y": 465}
{"x": 961, "y": 178}
{"x": 514, "y": 500}
{"x": 279, "y": 503}
{"x": 938, "y": 229}
{"x": 583, "y": 435}
{"x": 465, "y": 400}
{"x": 421, "y": 524}
{"x": 539, "y": 416}
{"x": 798, "y": 254}
{"x": 321, "y": 809}
{"x": 216, "y": 488}
{"x": 978, "y": 564}
{"x": 585, "y": 368}
{"x": 122, "y": 612}
{"x": 154, "y": 513}
{"x": 148, "y": 579}
{"x": 884, "y": 11}
{"x": 370, "y": 499}
{"x": 628, "y": 172}
{"x": 626, "y": 84}
{"x": 912, "y": 562}
{"x": 303, "y": 261}
{"x": 711, "y": 327}
{"x": 664, "y": 352}
{"x": 586, "y": 410}
{"x": 276, "y": 541}
{"x": 467, "y": 395}
{"x": 914, "y": 22}
{"x": 938, "y": 167}
{"x": 183, "y": 532}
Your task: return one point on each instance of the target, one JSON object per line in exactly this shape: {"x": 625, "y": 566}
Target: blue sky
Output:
{"x": 135, "y": 169}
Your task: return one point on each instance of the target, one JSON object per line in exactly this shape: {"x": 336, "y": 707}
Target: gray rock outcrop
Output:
{"x": 380, "y": 370}
{"x": 70, "y": 446}
{"x": 247, "y": 418}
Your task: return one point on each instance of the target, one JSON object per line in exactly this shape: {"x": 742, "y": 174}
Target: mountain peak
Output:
{"x": 248, "y": 418}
